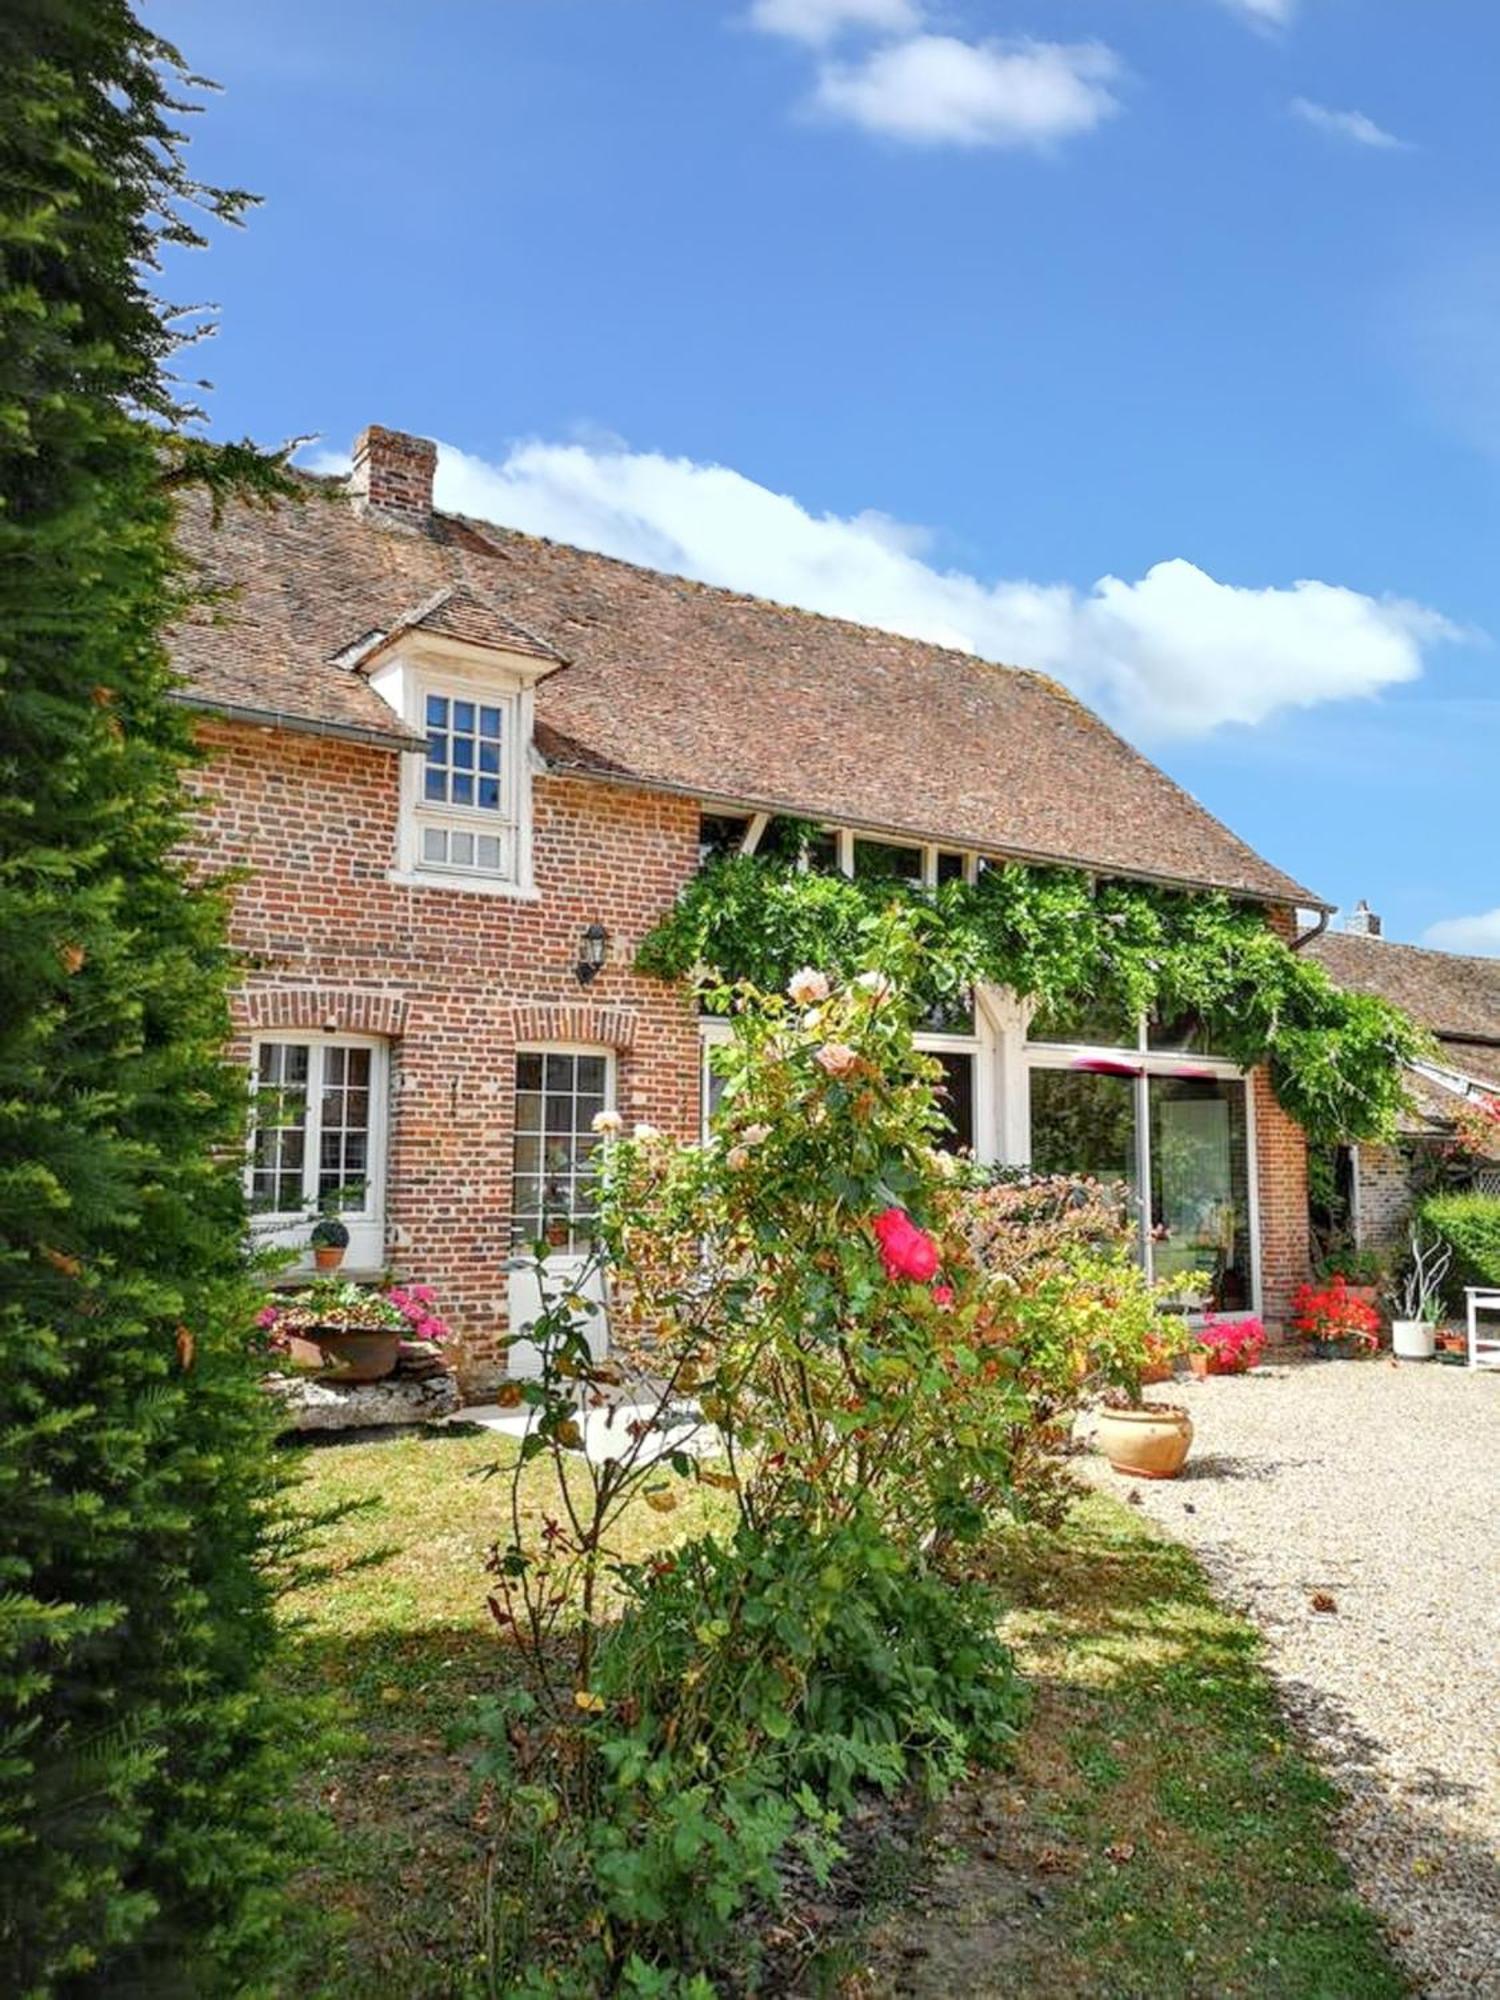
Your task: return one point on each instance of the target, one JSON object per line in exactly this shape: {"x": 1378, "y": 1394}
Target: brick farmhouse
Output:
{"x": 464, "y": 771}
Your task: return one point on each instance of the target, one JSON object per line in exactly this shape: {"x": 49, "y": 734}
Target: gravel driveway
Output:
{"x": 1379, "y": 1486}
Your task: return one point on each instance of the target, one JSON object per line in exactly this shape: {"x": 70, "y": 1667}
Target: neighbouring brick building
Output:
{"x": 1457, "y": 999}
{"x": 464, "y": 771}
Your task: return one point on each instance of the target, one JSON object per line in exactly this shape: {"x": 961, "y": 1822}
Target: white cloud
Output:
{"x": 1173, "y": 653}
{"x": 1478, "y": 936}
{"x": 1351, "y": 125}
{"x": 1264, "y": 13}
{"x": 820, "y": 21}
{"x": 936, "y": 90}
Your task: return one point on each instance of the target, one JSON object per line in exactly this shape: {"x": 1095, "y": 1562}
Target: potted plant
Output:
{"x": 1227, "y": 1347}
{"x": 1418, "y": 1298}
{"x": 329, "y": 1240}
{"x": 1141, "y": 1440}
{"x": 1363, "y": 1271}
{"x": 348, "y": 1332}
{"x": 1338, "y": 1324}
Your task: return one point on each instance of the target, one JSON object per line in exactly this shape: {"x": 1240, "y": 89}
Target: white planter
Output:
{"x": 1412, "y": 1339}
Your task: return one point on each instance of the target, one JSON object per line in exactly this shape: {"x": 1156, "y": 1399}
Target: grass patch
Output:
{"x": 400, "y": 1642}
{"x": 1159, "y": 1835}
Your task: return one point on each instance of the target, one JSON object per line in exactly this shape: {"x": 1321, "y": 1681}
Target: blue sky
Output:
{"x": 1154, "y": 342}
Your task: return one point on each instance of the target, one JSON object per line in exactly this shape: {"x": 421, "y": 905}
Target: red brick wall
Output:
{"x": 1281, "y": 1186}
{"x": 456, "y": 979}
{"x": 1281, "y": 1169}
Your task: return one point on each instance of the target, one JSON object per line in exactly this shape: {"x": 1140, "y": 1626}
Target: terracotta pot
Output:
{"x": 1202, "y": 1363}
{"x": 328, "y": 1256}
{"x": 1453, "y": 1343}
{"x": 356, "y": 1355}
{"x": 1148, "y": 1443}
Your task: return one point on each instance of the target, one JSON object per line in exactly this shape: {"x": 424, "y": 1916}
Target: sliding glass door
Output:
{"x": 1177, "y": 1136}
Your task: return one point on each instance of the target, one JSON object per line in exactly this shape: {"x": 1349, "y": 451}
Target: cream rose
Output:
{"x": 807, "y": 987}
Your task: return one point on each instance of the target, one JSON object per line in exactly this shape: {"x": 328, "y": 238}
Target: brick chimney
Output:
{"x": 1362, "y": 921}
{"x": 392, "y": 477}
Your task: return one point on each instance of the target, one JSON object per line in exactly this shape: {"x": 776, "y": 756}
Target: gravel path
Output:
{"x": 1379, "y": 1486}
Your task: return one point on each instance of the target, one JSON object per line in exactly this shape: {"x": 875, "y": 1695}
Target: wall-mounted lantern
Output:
{"x": 591, "y": 949}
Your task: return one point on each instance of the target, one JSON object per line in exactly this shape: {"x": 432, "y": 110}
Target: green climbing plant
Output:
{"x": 1056, "y": 935}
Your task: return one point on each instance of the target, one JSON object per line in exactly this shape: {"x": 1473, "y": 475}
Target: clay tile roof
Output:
{"x": 1457, "y": 998}
{"x": 458, "y": 612}
{"x": 677, "y": 685}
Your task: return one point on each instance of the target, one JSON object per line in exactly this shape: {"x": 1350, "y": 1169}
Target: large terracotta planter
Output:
{"x": 356, "y": 1355}
{"x": 1148, "y": 1443}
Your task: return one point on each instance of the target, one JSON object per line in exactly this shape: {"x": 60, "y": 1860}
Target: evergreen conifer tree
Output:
{"x": 139, "y": 1496}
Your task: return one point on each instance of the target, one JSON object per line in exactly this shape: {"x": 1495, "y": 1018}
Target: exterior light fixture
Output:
{"x": 591, "y": 949}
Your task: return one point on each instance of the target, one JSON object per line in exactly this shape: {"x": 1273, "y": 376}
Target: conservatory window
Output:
{"x": 1176, "y": 1131}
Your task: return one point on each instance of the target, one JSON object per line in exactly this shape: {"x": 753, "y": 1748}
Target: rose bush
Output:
{"x": 798, "y": 1321}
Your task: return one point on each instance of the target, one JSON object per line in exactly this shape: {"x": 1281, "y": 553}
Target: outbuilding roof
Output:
{"x": 671, "y": 684}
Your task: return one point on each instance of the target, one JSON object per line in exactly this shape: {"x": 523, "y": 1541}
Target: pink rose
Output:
{"x": 905, "y": 1250}
{"x": 837, "y": 1058}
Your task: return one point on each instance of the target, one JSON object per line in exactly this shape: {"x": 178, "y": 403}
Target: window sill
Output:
{"x": 295, "y": 1276}
{"x": 463, "y": 885}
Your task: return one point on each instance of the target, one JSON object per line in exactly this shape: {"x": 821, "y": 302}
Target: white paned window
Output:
{"x": 559, "y": 1093}
{"x": 466, "y": 805}
{"x": 317, "y": 1141}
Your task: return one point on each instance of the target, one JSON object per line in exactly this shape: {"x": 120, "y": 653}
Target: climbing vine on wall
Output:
{"x": 1056, "y": 935}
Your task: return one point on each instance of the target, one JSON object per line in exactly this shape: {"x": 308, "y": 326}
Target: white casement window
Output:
{"x": 467, "y": 808}
{"x": 318, "y": 1141}
{"x": 559, "y": 1094}
{"x": 466, "y": 793}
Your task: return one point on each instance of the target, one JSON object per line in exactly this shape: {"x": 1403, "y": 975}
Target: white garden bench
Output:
{"x": 1484, "y": 1344}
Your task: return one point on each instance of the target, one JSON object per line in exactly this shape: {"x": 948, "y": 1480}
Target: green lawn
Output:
{"x": 1158, "y": 1835}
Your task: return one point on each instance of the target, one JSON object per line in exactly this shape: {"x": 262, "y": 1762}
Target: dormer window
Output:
{"x": 460, "y": 673}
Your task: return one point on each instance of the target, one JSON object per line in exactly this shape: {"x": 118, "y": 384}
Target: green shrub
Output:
{"x": 750, "y": 1690}
{"x": 140, "y": 1768}
{"x": 1469, "y": 1224}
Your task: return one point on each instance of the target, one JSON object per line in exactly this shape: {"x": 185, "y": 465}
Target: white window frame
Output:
{"x": 291, "y": 1230}
{"x": 1147, "y": 1063}
{"x": 523, "y": 1289}
{"x": 713, "y": 1033}
{"x": 611, "y": 1098}
{"x": 492, "y": 679}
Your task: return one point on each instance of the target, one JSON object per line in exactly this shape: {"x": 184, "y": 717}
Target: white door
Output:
{"x": 559, "y": 1092}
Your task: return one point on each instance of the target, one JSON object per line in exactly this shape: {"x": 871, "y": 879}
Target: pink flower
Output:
{"x": 837, "y": 1058}
{"x": 267, "y": 1316}
{"x": 942, "y": 1295}
{"x": 905, "y": 1250}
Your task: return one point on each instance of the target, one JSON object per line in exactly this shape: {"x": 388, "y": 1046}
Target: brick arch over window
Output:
{"x": 348, "y": 1010}
{"x": 576, "y": 1021}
